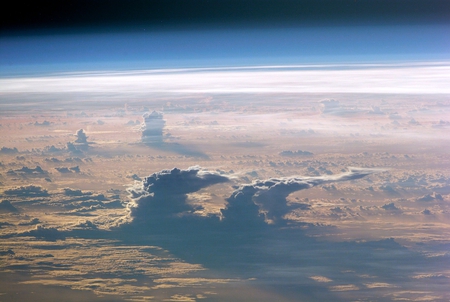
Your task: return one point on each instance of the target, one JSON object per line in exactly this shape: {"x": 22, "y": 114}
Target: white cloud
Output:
{"x": 408, "y": 78}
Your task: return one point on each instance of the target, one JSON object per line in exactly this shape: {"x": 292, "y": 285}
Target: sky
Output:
{"x": 110, "y": 35}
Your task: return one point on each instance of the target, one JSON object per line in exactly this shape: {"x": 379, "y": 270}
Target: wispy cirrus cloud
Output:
{"x": 364, "y": 78}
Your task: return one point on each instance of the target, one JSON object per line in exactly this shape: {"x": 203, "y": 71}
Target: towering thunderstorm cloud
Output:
{"x": 152, "y": 127}
{"x": 81, "y": 137}
{"x": 162, "y": 195}
{"x": 266, "y": 199}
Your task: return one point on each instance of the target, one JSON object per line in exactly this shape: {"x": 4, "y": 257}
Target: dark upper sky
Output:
{"x": 106, "y": 15}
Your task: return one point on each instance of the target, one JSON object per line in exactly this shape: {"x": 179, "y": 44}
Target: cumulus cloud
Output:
{"x": 431, "y": 197}
{"x": 376, "y": 110}
{"x": 390, "y": 207}
{"x": 75, "y": 192}
{"x": 330, "y": 106}
{"x": 52, "y": 149}
{"x": 6, "y": 206}
{"x": 87, "y": 224}
{"x": 426, "y": 212}
{"x": 80, "y": 144}
{"x": 135, "y": 177}
{"x": 152, "y": 127}
{"x": 163, "y": 194}
{"x": 33, "y": 221}
{"x": 28, "y": 171}
{"x": 44, "y": 123}
{"x": 46, "y": 233}
{"x": 270, "y": 195}
{"x": 75, "y": 169}
{"x": 6, "y": 150}
{"x": 333, "y": 107}
{"x": 27, "y": 191}
{"x": 41, "y": 232}
{"x": 85, "y": 199}
{"x": 63, "y": 170}
{"x": 441, "y": 124}
{"x": 296, "y": 153}
{"x": 81, "y": 137}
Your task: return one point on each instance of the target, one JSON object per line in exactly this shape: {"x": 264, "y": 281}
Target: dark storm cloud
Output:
{"x": 107, "y": 15}
{"x": 244, "y": 244}
{"x": 163, "y": 194}
{"x": 27, "y": 191}
{"x": 177, "y": 181}
{"x": 270, "y": 195}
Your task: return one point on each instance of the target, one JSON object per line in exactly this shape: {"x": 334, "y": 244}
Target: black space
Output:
{"x": 107, "y": 15}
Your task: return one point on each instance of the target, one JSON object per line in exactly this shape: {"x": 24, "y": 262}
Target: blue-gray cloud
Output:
{"x": 6, "y": 150}
{"x": 81, "y": 137}
{"x": 252, "y": 238}
{"x": 152, "y": 127}
{"x": 27, "y": 191}
{"x": 270, "y": 195}
{"x": 6, "y": 206}
{"x": 163, "y": 194}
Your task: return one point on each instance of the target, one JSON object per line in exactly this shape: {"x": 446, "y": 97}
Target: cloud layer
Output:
{"x": 405, "y": 78}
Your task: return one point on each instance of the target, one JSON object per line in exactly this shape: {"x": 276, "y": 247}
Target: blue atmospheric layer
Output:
{"x": 219, "y": 47}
